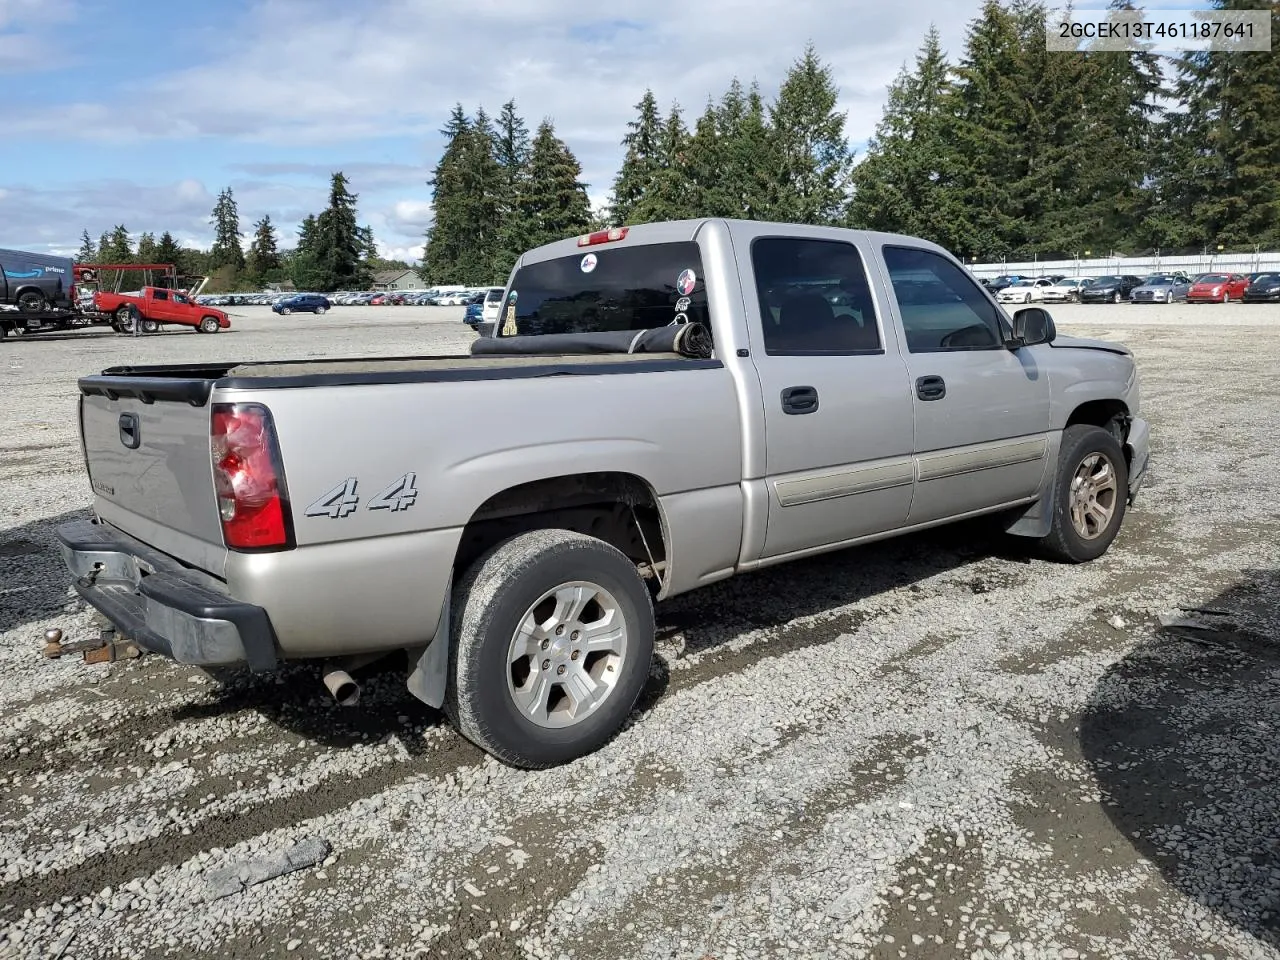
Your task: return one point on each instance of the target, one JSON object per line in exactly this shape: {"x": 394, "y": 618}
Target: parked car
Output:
{"x": 996, "y": 284}
{"x": 1025, "y": 291}
{"x": 1218, "y": 288}
{"x": 492, "y": 305}
{"x": 156, "y": 306}
{"x": 1161, "y": 288}
{"x": 474, "y": 313}
{"x": 302, "y": 303}
{"x": 516, "y": 553}
{"x": 1110, "y": 289}
{"x": 1065, "y": 290}
{"x": 1263, "y": 288}
{"x": 36, "y": 282}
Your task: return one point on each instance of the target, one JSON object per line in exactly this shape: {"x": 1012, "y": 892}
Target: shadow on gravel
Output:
{"x": 294, "y": 699}
{"x": 34, "y": 581}
{"x": 771, "y": 599}
{"x": 1183, "y": 735}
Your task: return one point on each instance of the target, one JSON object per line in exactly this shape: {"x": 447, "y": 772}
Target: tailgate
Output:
{"x": 150, "y": 469}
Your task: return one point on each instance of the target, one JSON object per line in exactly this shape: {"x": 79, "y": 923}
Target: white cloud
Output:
{"x": 323, "y": 74}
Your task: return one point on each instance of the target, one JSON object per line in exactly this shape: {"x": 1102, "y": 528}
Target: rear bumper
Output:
{"x": 160, "y": 605}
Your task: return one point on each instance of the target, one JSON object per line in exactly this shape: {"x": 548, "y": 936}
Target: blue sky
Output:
{"x": 139, "y": 112}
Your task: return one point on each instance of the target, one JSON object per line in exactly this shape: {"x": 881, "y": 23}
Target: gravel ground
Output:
{"x": 930, "y": 747}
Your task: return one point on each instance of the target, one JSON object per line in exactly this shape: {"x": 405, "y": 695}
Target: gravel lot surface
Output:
{"x": 930, "y": 747}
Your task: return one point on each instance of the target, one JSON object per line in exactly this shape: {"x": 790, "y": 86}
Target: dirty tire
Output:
{"x": 1063, "y": 542}
{"x": 490, "y": 603}
{"x": 209, "y": 325}
{"x": 29, "y": 301}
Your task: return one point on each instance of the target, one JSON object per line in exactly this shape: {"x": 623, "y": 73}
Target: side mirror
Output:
{"x": 1033, "y": 325}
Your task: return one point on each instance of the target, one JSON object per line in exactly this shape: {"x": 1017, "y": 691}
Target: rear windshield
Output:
{"x": 494, "y": 295}
{"x": 623, "y": 288}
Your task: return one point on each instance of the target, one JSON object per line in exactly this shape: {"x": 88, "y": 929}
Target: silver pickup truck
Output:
{"x": 509, "y": 517}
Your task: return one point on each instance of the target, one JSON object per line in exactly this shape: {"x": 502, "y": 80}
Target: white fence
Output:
{"x": 1138, "y": 266}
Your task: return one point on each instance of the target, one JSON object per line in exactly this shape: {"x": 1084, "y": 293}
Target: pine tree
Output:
{"x": 114, "y": 247}
{"x": 809, "y": 131}
{"x": 88, "y": 252}
{"x": 485, "y": 188}
{"x": 899, "y": 186}
{"x": 641, "y": 162}
{"x": 1231, "y": 133}
{"x": 167, "y": 250}
{"x": 511, "y": 151}
{"x": 305, "y": 266}
{"x": 226, "y": 250}
{"x": 147, "y": 248}
{"x": 338, "y": 249}
{"x": 668, "y": 196}
{"x": 554, "y": 204}
{"x": 705, "y": 162}
{"x": 755, "y": 163}
{"x": 985, "y": 110}
{"x": 263, "y": 261}
{"x": 446, "y": 241}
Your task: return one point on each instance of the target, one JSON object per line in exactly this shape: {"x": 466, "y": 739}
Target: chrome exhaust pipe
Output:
{"x": 342, "y": 687}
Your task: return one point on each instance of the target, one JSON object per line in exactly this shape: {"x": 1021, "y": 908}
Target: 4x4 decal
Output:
{"x": 342, "y": 500}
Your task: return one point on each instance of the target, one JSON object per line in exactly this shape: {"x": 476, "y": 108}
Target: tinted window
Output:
{"x": 622, "y": 288}
{"x": 494, "y": 295}
{"x": 814, "y": 297}
{"x": 941, "y": 308}
{"x": 161, "y": 295}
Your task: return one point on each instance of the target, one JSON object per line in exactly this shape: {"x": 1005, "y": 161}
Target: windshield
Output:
{"x": 1160, "y": 280}
{"x": 1213, "y": 278}
{"x": 1266, "y": 277}
{"x": 1105, "y": 280}
{"x": 623, "y": 288}
{"x": 1025, "y": 283}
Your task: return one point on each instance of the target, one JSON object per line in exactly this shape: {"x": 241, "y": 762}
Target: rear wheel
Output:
{"x": 320, "y": 311}
{"x": 150, "y": 326}
{"x": 1090, "y": 492}
{"x": 209, "y": 325}
{"x": 552, "y": 641}
{"x": 31, "y": 301}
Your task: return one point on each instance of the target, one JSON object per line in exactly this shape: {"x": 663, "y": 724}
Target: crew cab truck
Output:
{"x": 860, "y": 385}
{"x": 158, "y": 305}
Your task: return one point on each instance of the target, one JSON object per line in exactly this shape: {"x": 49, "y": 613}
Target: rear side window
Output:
{"x": 814, "y": 297}
{"x": 603, "y": 288}
{"x": 942, "y": 308}
{"x": 161, "y": 295}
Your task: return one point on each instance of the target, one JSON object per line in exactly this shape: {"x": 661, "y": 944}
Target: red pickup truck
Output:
{"x": 158, "y": 305}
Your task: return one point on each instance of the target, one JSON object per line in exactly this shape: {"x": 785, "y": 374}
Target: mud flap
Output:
{"x": 430, "y": 672}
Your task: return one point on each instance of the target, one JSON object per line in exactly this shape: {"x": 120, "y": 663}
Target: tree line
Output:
{"x": 1008, "y": 151}
{"x": 333, "y": 251}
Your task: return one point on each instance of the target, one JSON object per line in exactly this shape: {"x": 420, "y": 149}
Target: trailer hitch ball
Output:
{"x": 53, "y": 643}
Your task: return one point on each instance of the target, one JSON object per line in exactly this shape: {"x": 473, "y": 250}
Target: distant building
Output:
{"x": 283, "y": 287}
{"x": 397, "y": 280}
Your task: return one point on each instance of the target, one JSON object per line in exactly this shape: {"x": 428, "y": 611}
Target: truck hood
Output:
{"x": 1084, "y": 343}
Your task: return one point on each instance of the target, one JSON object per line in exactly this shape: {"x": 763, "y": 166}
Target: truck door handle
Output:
{"x": 931, "y": 388}
{"x": 799, "y": 400}
{"x": 130, "y": 434}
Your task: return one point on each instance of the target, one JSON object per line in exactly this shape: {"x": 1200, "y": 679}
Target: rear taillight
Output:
{"x": 603, "y": 236}
{"x": 253, "y": 501}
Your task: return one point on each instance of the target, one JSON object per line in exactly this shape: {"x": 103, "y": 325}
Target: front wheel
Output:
{"x": 552, "y": 642}
{"x": 1089, "y": 492}
{"x": 124, "y": 320}
{"x": 285, "y": 311}
{"x": 1226, "y": 298}
{"x": 209, "y": 325}
{"x": 1117, "y": 298}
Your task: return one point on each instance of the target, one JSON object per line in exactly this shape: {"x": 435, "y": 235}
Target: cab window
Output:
{"x": 814, "y": 297}
{"x": 942, "y": 309}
